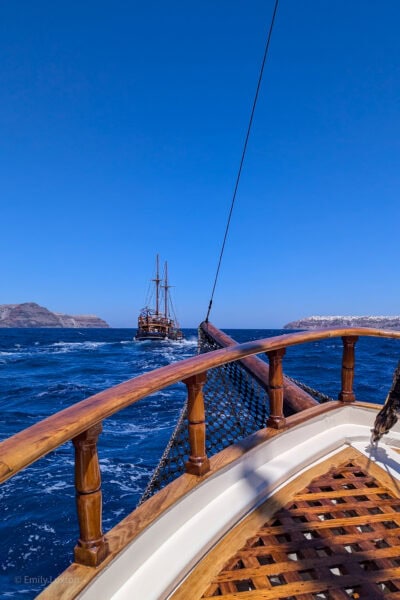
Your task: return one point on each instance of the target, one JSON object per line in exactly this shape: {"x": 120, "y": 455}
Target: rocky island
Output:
{"x": 30, "y": 314}
{"x": 318, "y": 322}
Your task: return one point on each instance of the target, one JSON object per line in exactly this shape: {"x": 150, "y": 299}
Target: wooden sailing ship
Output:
{"x": 154, "y": 324}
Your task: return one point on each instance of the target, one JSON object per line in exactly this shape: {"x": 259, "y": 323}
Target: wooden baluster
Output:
{"x": 198, "y": 463}
{"x": 347, "y": 394}
{"x": 276, "y": 418}
{"x": 92, "y": 547}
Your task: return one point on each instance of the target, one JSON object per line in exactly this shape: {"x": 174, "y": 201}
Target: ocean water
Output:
{"x": 43, "y": 371}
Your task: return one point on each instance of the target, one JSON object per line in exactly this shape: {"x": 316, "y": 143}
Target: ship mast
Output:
{"x": 166, "y": 287}
{"x": 157, "y": 281}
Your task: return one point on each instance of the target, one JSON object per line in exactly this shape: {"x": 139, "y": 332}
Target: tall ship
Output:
{"x": 154, "y": 323}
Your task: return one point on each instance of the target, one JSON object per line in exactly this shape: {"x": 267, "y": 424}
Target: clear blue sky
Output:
{"x": 122, "y": 125}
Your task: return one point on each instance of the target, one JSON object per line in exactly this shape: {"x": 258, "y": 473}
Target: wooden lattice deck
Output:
{"x": 338, "y": 538}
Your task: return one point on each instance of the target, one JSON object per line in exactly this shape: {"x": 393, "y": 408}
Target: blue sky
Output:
{"x": 122, "y": 125}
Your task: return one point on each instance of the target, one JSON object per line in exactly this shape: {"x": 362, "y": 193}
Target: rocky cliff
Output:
{"x": 31, "y": 314}
{"x": 318, "y": 322}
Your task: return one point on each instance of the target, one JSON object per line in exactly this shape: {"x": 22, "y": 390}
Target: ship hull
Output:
{"x": 142, "y": 336}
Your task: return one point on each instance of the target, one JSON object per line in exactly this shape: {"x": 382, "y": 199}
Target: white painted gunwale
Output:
{"x": 175, "y": 542}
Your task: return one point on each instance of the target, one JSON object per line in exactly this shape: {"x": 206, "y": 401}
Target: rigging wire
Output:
{"x": 243, "y": 156}
{"x": 150, "y": 292}
{"x": 149, "y": 295}
{"x": 173, "y": 313}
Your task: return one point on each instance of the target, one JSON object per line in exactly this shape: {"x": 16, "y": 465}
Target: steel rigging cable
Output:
{"x": 243, "y": 155}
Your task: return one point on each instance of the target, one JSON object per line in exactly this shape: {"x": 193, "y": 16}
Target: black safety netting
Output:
{"x": 236, "y": 405}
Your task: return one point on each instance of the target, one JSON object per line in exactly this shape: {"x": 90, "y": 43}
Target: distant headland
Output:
{"x": 30, "y": 314}
{"x": 318, "y": 322}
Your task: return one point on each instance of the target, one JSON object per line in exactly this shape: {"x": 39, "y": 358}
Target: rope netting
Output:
{"x": 236, "y": 405}
{"x": 316, "y": 394}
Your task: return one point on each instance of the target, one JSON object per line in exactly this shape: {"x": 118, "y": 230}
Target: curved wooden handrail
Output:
{"x": 27, "y": 446}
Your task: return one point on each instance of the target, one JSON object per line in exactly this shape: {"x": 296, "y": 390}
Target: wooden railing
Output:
{"x": 295, "y": 399}
{"x": 81, "y": 422}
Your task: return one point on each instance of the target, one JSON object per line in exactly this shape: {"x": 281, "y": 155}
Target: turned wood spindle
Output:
{"x": 276, "y": 418}
{"x": 347, "y": 394}
{"x": 92, "y": 547}
{"x": 198, "y": 463}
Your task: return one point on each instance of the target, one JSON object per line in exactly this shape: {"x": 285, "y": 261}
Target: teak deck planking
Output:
{"x": 346, "y": 545}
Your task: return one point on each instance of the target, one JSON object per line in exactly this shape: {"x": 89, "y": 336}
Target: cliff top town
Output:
{"x": 318, "y": 322}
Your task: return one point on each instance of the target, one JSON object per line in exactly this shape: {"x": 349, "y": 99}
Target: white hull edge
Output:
{"x": 175, "y": 542}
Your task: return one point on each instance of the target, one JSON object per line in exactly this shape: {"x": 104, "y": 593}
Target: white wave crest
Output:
{"x": 56, "y": 487}
{"x": 43, "y": 527}
{"x": 73, "y": 346}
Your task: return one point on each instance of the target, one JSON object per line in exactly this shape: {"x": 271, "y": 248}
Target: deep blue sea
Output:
{"x": 43, "y": 371}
